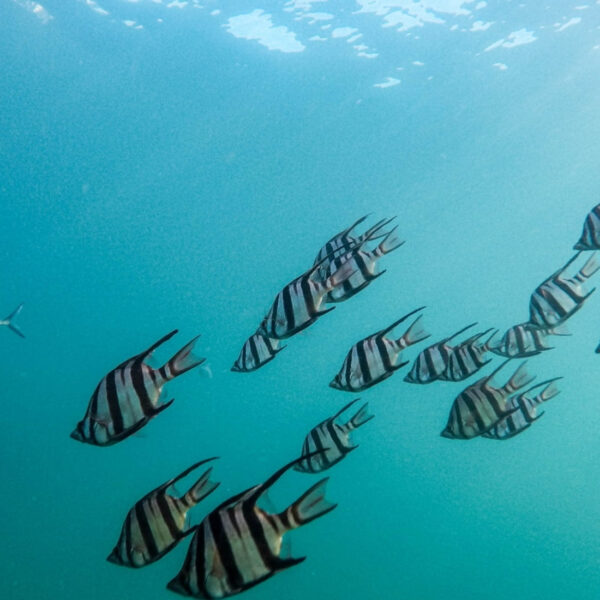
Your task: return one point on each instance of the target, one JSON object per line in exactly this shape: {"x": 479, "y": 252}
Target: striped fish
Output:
{"x": 525, "y": 339}
{"x": 239, "y": 544}
{"x": 590, "y": 237}
{"x": 376, "y": 357}
{"x": 298, "y": 304}
{"x": 257, "y": 351}
{"x": 331, "y": 441}
{"x": 129, "y": 396}
{"x": 157, "y": 522}
{"x": 344, "y": 241}
{"x": 481, "y": 406}
{"x": 558, "y": 297}
{"x": 467, "y": 358}
{"x": 526, "y": 414}
{"x": 432, "y": 362}
{"x": 10, "y": 321}
{"x": 364, "y": 263}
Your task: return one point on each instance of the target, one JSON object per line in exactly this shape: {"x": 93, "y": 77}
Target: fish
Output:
{"x": 590, "y": 236}
{"x": 257, "y": 351}
{"x": 10, "y": 321}
{"x": 130, "y": 395}
{"x": 333, "y": 436}
{"x": 239, "y": 544}
{"x": 559, "y": 298}
{"x": 157, "y": 522}
{"x": 480, "y": 406}
{"x": 364, "y": 263}
{"x": 344, "y": 241}
{"x": 431, "y": 362}
{"x": 526, "y": 414}
{"x": 525, "y": 339}
{"x": 298, "y": 304}
{"x": 467, "y": 358}
{"x": 375, "y": 358}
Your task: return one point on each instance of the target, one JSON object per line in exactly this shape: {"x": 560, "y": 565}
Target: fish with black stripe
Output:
{"x": 257, "y": 351}
{"x": 130, "y": 395}
{"x": 590, "y": 236}
{"x": 298, "y": 304}
{"x": 239, "y": 544}
{"x": 467, "y": 358}
{"x": 526, "y": 414}
{"x": 344, "y": 241}
{"x": 525, "y": 339}
{"x": 364, "y": 264}
{"x": 157, "y": 522}
{"x": 481, "y": 405}
{"x": 329, "y": 442}
{"x": 377, "y": 357}
{"x": 558, "y": 297}
{"x": 432, "y": 362}
{"x": 10, "y": 321}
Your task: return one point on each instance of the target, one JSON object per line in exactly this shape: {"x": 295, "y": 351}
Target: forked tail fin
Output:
{"x": 360, "y": 418}
{"x": 10, "y": 321}
{"x": 202, "y": 488}
{"x": 519, "y": 379}
{"x": 591, "y": 266}
{"x": 344, "y": 273}
{"x": 390, "y": 242}
{"x": 415, "y": 333}
{"x": 183, "y": 361}
{"x": 311, "y": 505}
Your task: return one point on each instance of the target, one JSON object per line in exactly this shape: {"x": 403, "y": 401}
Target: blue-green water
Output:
{"x": 176, "y": 176}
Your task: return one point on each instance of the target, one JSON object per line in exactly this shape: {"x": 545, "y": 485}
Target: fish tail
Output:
{"x": 10, "y": 321}
{"x": 361, "y": 417}
{"x": 591, "y": 266}
{"x": 520, "y": 378}
{"x": 342, "y": 274}
{"x": 202, "y": 488}
{"x": 183, "y": 361}
{"x": 390, "y": 242}
{"x": 415, "y": 333}
{"x": 311, "y": 505}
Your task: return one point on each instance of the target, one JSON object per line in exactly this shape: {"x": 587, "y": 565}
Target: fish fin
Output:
{"x": 520, "y": 378}
{"x": 374, "y": 232}
{"x": 345, "y": 408}
{"x": 321, "y": 312}
{"x": 342, "y": 274}
{"x": 10, "y": 321}
{"x": 183, "y": 361}
{"x": 446, "y": 340}
{"x": 361, "y": 417}
{"x": 202, "y": 488}
{"x": 591, "y": 266}
{"x": 415, "y": 333}
{"x": 390, "y": 242}
{"x": 560, "y": 329}
{"x": 311, "y": 505}
{"x": 398, "y": 366}
{"x": 400, "y": 320}
{"x": 163, "y": 406}
{"x": 159, "y": 343}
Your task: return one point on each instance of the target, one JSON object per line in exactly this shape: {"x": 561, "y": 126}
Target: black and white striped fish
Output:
{"x": 364, "y": 264}
{"x": 331, "y": 440}
{"x": 298, "y": 304}
{"x": 526, "y": 414}
{"x": 432, "y": 362}
{"x": 157, "y": 522}
{"x": 10, "y": 321}
{"x": 344, "y": 241}
{"x": 467, "y": 358}
{"x": 525, "y": 339}
{"x": 560, "y": 297}
{"x": 481, "y": 406}
{"x": 376, "y": 357}
{"x": 130, "y": 395}
{"x": 590, "y": 237}
{"x": 257, "y": 351}
{"x": 239, "y": 544}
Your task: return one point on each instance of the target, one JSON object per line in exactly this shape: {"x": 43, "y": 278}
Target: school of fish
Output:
{"x": 239, "y": 544}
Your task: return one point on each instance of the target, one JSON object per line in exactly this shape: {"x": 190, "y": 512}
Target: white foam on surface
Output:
{"x": 389, "y": 82}
{"x": 514, "y": 39}
{"x": 258, "y": 25}
{"x": 569, "y": 23}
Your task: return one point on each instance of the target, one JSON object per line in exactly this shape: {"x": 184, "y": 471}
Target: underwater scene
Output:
{"x": 298, "y": 299}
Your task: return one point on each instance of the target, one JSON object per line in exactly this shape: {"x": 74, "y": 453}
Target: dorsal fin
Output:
{"x": 388, "y": 329}
{"x": 159, "y": 343}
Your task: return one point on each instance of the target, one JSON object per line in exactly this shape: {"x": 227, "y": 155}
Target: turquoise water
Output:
{"x": 177, "y": 176}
